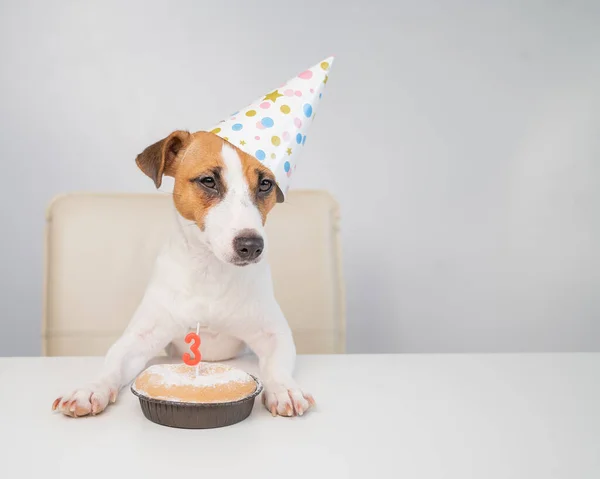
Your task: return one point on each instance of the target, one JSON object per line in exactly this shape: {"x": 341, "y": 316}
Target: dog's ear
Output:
{"x": 158, "y": 159}
{"x": 279, "y": 194}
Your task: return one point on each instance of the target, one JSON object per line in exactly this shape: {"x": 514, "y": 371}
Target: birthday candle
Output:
{"x": 193, "y": 338}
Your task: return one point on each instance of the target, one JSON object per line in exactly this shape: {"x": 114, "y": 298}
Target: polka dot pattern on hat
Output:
{"x": 274, "y": 127}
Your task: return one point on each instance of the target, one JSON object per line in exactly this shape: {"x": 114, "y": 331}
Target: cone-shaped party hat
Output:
{"x": 274, "y": 127}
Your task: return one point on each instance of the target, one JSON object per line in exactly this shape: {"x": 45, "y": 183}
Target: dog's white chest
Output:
{"x": 216, "y": 296}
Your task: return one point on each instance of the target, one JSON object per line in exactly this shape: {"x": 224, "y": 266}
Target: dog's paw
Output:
{"x": 287, "y": 402}
{"x": 81, "y": 402}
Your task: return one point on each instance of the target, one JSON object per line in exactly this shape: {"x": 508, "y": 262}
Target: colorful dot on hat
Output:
{"x": 237, "y": 127}
{"x": 289, "y": 173}
{"x": 216, "y": 130}
{"x": 307, "y": 75}
{"x": 273, "y": 156}
{"x": 251, "y": 113}
{"x": 298, "y": 122}
{"x": 233, "y": 117}
{"x": 299, "y": 138}
{"x": 259, "y": 125}
{"x": 298, "y": 93}
{"x": 275, "y": 140}
{"x": 267, "y": 122}
{"x": 289, "y": 151}
{"x": 286, "y": 136}
{"x": 265, "y": 105}
{"x": 324, "y": 65}
{"x": 286, "y": 166}
{"x": 285, "y": 109}
{"x": 307, "y": 108}
{"x": 260, "y": 154}
{"x": 257, "y": 137}
{"x": 289, "y": 92}
{"x": 304, "y": 140}
{"x": 312, "y": 90}
{"x": 320, "y": 95}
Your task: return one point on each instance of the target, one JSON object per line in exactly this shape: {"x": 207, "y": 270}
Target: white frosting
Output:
{"x": 208, "y": 375}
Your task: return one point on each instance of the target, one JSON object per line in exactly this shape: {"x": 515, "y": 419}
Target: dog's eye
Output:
{"x": 209, "y": 182}
{"x": 265, "y": 185}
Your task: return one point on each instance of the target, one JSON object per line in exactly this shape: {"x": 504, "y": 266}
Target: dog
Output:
{"x": 212, "y": 271}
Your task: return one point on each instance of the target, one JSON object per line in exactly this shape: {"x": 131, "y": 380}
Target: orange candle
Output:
{"x": 193, "y": 338}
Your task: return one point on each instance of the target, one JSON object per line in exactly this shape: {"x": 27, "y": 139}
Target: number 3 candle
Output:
{"x": 193, "y": 338}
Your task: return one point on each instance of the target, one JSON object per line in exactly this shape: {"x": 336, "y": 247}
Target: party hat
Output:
{"x": 274, "y": 127}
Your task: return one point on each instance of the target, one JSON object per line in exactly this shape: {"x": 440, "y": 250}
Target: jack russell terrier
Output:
{"x": 212, "y": 270}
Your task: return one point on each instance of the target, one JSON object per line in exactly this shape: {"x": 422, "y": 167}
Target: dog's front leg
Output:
{"x": 276, "y": 353}
{"x": 149, "y": 331}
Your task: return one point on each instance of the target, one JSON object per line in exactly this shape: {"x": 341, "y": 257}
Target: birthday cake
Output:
{"x": 205, "y": 396}
{"x": 205, "y": 383}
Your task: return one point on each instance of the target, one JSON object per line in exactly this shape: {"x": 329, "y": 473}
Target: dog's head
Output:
{"x": 224, "y": 191}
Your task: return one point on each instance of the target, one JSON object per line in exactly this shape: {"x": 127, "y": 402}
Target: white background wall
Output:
{"x": 461, "y": 139}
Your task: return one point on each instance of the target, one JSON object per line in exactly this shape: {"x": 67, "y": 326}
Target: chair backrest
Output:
{"x": 100, "y": 249}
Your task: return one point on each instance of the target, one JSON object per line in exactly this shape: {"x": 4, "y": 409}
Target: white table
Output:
{"x": 404, "y": 416}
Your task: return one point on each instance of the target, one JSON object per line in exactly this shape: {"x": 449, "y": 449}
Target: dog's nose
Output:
{"x": 248, "y": 248}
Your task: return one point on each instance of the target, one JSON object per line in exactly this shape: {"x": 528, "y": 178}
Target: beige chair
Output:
{"x": 100, "y": 250}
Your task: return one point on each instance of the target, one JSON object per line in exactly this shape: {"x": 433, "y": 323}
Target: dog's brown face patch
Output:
{"x": 197, "y": 165}
{"x": 261, "y": 184}
{"x": 199, "y": 183}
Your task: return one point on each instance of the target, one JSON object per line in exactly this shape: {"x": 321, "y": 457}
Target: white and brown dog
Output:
{"x": 212, "y": 271}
